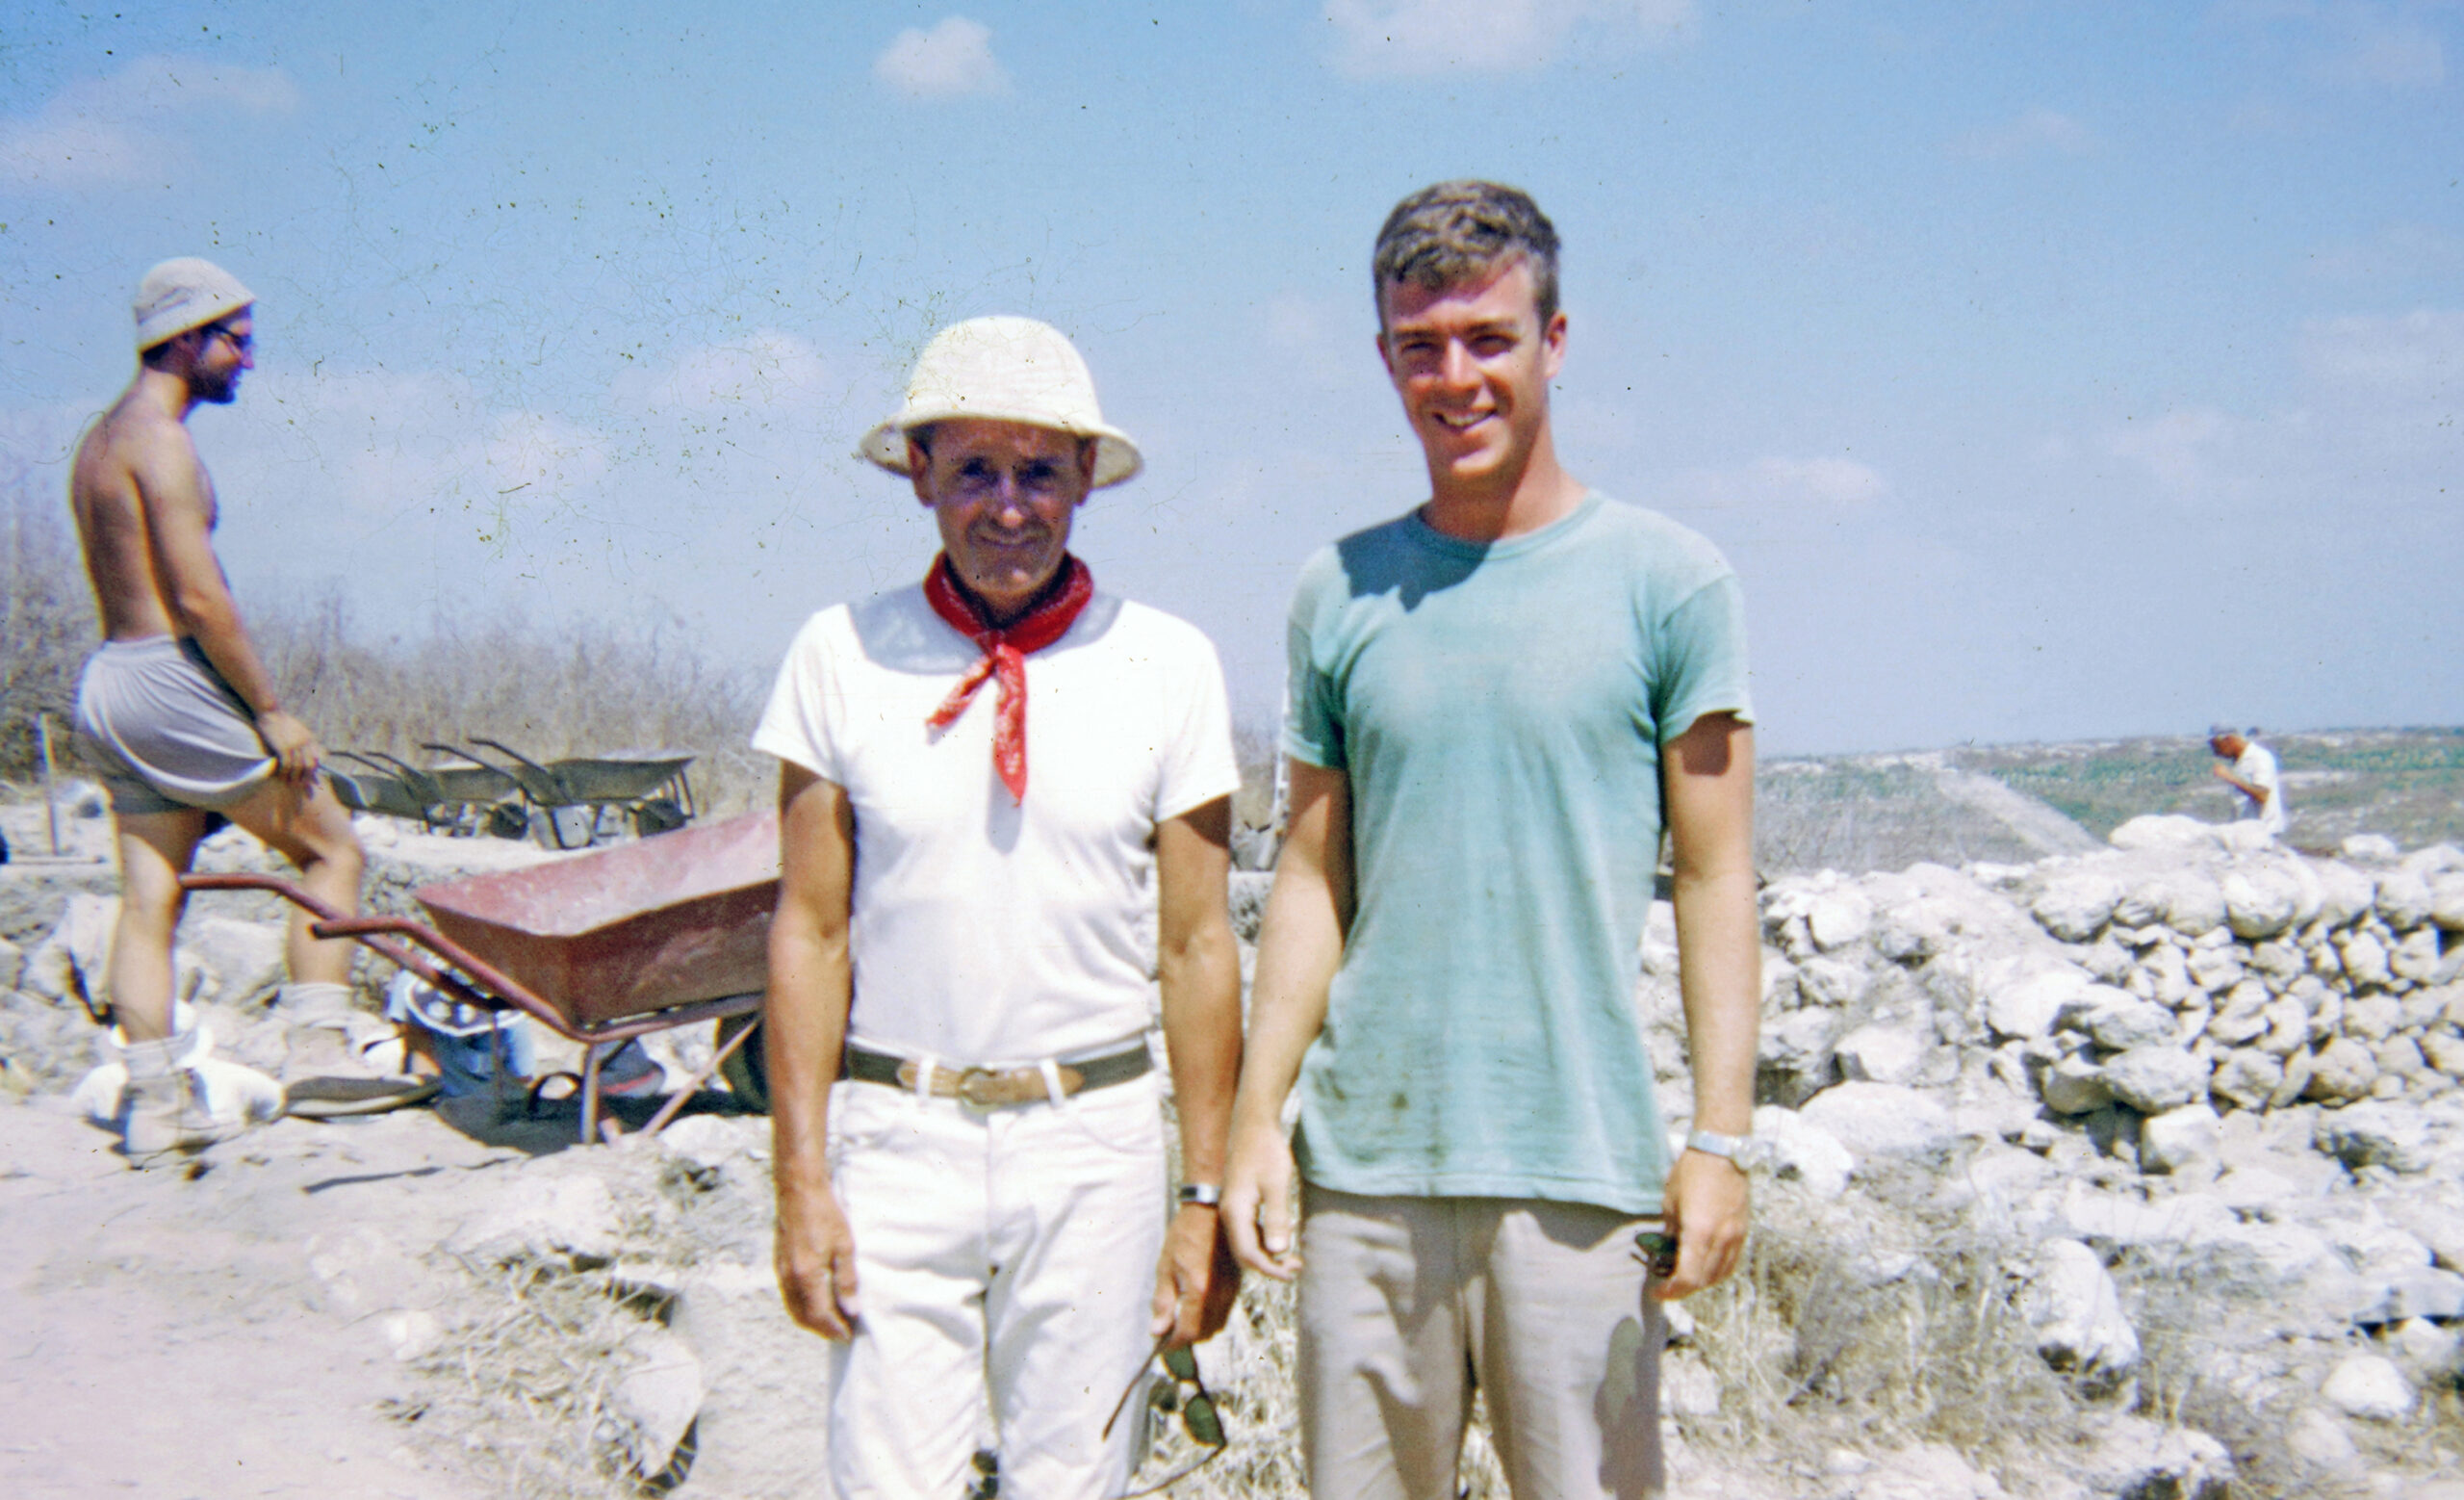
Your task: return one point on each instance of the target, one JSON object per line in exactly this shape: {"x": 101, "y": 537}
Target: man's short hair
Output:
{"x": 1453, "y": 232}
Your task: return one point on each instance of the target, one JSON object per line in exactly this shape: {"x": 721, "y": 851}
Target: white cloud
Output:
{"x": 1777, "y": 484}
{"x": 2410, "y": 359}
{"x": 951, "y": 61}
{"x": 121, "y": 129}
{"x": 2396, "y": 252}
{"x": 768, "y": 369}
{"x": 2181, "y": 449}
{"x": 2376, "y": 48}
{"x": 1421, "y": 36}
{"x": 2038, "y": 132}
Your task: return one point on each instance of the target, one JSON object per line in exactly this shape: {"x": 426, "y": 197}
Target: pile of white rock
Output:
{"x": 2223, "y": 1071}
{"x": 2180, "y": 970}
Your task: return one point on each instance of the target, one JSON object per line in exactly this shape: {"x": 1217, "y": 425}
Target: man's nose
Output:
{"x": 1454, "y": 366}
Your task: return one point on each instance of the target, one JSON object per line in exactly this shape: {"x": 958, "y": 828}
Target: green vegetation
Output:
{"x": 2407, "y": 784}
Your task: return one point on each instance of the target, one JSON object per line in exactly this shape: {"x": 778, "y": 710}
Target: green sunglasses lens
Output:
{"x": 1182, "y": 1363}
{"x": 1203, "y": 1424}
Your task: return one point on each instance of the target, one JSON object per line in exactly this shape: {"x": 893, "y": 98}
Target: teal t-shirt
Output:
{"x": 1499, "y": 710}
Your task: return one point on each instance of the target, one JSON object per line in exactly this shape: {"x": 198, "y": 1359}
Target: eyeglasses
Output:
{"x": 1198, "y": 1415}
{"x": 1658, "y": 1251}
{"x": 242, "y": 342}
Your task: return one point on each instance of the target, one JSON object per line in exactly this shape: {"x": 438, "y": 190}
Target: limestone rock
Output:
{"x": 2077, "y": 1310}
{"x": 2153, "y": 1079}
{"x": 1794, "y": 1059}
{"x": 543, "y": 1213}
{"x": 2260, "y": 902}
{"x": 2415, "y": 1292}
{"x": 1839, "y": 919}
{"x": 2136, "y": 1459}
{"x": 654, "y": 1402}
{"x": 2246, "y": 1077}
{"x": 2121, "y": 1021}
{"x": 2371, "y": 1387}
{"x": 2404, "y": 900}
{"x": 2447, "y": 902}
{"x": 2074, "y": 904}
{"x": 2377, "y": 1135}
{"x": 1804, "y": 1151}
{"x": 762, "y": 1374}
{"x": 2164, "y": 831}
{"x": 2340, "y": 1073}
{"x": 1878, "y": 1119}
{"x": 1881, "y": 1053}
{"x": 2023, "y": 996}
{"x": 2075, "y": 1086}
{"x": 2345, "y": 893}
{"x": 2177, "y": 1138}
{"x": 1833, "y": 982}
{"x": 2371, "y": 849}
{"x": 244, "y": 959}
{"x": 2417, "y": 957}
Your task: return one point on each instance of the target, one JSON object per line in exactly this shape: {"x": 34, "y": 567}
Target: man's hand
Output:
{"x": 296, "y": 753}
{"x": 1257, "y": 1201}
{"x": 1195, "y": 1282}
{"x": 816, "y": 1261}
{"x": 1706, "y": 1204}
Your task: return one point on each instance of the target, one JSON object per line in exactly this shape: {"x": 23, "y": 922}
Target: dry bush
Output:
{"x": 46, "y": 617}
{"x": 1872, "y": 1332}
{"x": 546, "y": 690}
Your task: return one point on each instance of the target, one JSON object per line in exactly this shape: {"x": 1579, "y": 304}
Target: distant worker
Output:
{"x": 179, "y": 714}
{"x": 2249, "y": 768}
{"x": 1005, "y": 810}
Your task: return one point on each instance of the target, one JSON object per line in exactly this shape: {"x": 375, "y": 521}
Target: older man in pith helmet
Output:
{"x": 181, "y": 718}
{"x": 993, "y": 786}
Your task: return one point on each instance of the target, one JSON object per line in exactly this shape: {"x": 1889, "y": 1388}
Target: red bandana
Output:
{"x": 1006, "y": 649}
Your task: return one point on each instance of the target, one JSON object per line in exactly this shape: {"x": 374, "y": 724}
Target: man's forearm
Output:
{"x": 1202, "y": 983}
{"x": 804, "y": 1027}
{"x": 1719, "y": 964}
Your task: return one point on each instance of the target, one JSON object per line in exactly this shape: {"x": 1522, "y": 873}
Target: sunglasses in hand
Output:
{"x": 1198, "y": 1415}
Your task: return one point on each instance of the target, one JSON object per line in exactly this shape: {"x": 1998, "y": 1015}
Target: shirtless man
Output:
{"x": 176, "y": 708}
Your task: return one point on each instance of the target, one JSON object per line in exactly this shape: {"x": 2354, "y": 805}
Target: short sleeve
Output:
{"x": 799, "y": 724}
{"x": 1312, "y": 728}
{"x": 1198, "y": 763}
{"x": 1699, "y": 658}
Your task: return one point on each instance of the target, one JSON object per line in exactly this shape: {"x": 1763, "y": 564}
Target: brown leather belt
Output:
{"x": 997, "y": 1088}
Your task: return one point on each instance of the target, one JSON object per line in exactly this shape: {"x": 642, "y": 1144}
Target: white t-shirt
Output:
{"x": 983, "y": 930}
{"x": 2256, "y": 764}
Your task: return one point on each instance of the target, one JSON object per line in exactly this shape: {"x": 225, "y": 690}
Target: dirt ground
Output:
{"x": 169, "y": 1335}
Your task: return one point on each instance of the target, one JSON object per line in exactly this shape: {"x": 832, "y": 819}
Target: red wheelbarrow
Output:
{"x": 665, "y": 931}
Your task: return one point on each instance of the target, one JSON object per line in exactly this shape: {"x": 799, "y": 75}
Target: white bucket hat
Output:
{"x": 1004, "y": 370}
{"x": 184, "y": 294}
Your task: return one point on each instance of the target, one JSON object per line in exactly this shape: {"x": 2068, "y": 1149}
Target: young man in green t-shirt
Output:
{"x": 1497, "y": 703}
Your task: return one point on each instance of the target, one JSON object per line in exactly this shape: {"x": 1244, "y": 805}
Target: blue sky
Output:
{"x": 2046, "y": 370}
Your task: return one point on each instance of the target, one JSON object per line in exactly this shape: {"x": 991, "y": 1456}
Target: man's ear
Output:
{"x": 919, "y": 465}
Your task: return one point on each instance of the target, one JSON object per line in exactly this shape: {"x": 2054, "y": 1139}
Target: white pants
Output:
{"x": 1405, "y": 1301}
{"x": 1005, "y": 1265}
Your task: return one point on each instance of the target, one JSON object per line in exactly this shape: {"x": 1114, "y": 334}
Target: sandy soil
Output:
{"x": 171, "y": 1334}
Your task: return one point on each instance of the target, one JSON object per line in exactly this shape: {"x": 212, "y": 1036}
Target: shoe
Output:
{"x": 166, "y": 1118}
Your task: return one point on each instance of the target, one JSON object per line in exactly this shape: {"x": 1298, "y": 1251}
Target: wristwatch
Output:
{"x": 1205, "y": 1195}
{"x": 1742, "y": 1150}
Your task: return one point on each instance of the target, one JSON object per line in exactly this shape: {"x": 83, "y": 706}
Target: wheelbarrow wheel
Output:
{"x": 746, "y": 1076}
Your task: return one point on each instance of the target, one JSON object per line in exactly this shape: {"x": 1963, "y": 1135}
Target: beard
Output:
{"x": 221, "y": 389}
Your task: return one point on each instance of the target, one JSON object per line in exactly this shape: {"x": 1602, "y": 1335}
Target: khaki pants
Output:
{"x": 1404, "y": 1301}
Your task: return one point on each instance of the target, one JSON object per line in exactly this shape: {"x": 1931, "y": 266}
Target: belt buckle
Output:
{"x": 972, "y": 1084}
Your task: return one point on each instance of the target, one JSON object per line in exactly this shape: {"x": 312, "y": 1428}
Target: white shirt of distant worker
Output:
{"x": 2249, "y": 768}
{"x": 1005, "y": 811}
